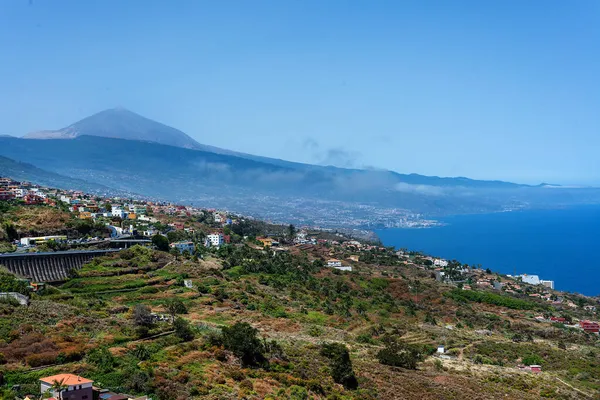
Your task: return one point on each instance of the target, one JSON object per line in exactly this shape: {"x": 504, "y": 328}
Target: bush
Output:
{"x": 183, "y": 329}
{"x": 102, "y": 358}
{"x": 341, "y": 366}
{"x": 242, "y": 340}
{"x": 365, "y": 338}
{"x": 398, "y": 354}
{"x": 37, "y": 360}
{"x": 533, "y": 359}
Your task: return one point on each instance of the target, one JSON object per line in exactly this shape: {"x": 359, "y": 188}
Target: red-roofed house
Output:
{"x": 67, "y": 387}
{"x": 589, "y": 326}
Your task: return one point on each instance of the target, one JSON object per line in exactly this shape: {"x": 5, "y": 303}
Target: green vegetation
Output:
{"x": 399, "y": 354}
{"x": 495, "y": 299}
{"x": 341, "y": 366}
{"x": 278, "y": 324}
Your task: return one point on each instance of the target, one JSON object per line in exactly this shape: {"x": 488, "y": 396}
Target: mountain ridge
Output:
{"x": 120, "y": 123}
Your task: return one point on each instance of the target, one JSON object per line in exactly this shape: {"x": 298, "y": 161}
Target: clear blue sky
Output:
{"x": 485, "y": 89}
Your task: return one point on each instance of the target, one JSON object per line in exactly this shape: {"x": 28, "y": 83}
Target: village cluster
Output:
{"x": 140, "y": 221}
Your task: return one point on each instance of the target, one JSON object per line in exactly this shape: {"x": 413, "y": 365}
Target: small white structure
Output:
{"x": 143, "y": 217}
{"x": 188, "y": 283}
{"x": 216, "y": 239}
{"x": 344, "y": 268}
{"x": 334, "y": 263}
{"x": 548, "y": 284}
{"x": 441, "y": 350}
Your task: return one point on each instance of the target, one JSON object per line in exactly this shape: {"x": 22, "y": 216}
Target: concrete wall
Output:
{"x": 48, "y": 267}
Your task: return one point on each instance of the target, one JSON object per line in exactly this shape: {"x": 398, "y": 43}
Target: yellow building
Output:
{"x": 85, "y": 215}
{"x": 266, "y": 242}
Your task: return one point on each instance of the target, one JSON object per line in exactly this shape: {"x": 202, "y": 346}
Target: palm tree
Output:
{"x": 58, "y": 387}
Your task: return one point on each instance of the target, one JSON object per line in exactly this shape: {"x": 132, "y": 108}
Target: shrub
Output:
{"x": 341, "y": 366}
{"x": 242, "y": 340}
{"x": 533, "y": 359}
{"x": 183, "y": 329}
{"x": 298, "y": 393}
{"x": 102, "y": 358}
{"x": 365, "y": 338}
{"x": 246, "y": 384}
{"x": 399, "y": 354}
{"x": 37, "y": 360}
{"x": 315, "y": 331}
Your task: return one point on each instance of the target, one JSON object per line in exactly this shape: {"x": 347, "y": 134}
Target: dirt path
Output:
{"x": 574, "y": 388}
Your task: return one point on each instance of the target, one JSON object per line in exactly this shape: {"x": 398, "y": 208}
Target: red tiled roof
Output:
{"x": 67, "y": 379}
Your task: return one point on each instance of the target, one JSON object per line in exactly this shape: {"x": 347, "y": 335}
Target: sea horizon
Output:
{"x": 556, "y": 244}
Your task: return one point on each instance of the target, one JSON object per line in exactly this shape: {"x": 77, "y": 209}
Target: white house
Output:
{"x": 334, "y": 263}
{"x": 216, "y": 239}
{"x": 65, "y": 199}
{"x": 184, "y": 246}
{"x": 548, "y": 284}
{"x": 143, "y": 217}
{"x": 438, "y": 262}
{"x": 118, "y": 211}
{"x": 531, "y": 279}
{"x": 75, "y": 387}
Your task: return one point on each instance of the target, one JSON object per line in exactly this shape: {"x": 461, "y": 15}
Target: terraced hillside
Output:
{"x": 131, "y": 322}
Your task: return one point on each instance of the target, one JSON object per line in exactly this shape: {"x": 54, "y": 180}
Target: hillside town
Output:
{"x": 156, "y": 249}
{"x": 142, "y": 220}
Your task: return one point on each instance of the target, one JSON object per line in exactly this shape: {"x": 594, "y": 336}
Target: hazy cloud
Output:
{"x": 419, "y": 189}
{"x": 336, "y": 156}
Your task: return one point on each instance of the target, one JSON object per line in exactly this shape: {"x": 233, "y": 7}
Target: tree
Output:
{"x": 242, "y": 340}
{"x": 11, "y": 231}
{"x": 341, "y": 366}
{"x": 398, "y": 354}
{"x": 291, "y": 232}
{"x": 142, "y": 315}
{"x": 175, "y": 306}
{"x": 183, "y": 330}
{"x": 160, "y": 242}
{"x": 108, "y": 207}
{"x": 58, "y": 387}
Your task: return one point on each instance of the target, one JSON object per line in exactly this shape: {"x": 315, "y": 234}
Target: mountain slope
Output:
{"x": 26, "y": 172}
{"x": 120, "y": 123}
{"x": 260, "y": 188}
{"x": 123, "y": 124}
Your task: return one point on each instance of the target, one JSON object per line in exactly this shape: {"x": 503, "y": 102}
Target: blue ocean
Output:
{"x": 560, "y": 245}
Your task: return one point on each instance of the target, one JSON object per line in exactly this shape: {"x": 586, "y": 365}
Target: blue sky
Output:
{"x": 486, "y": 89}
